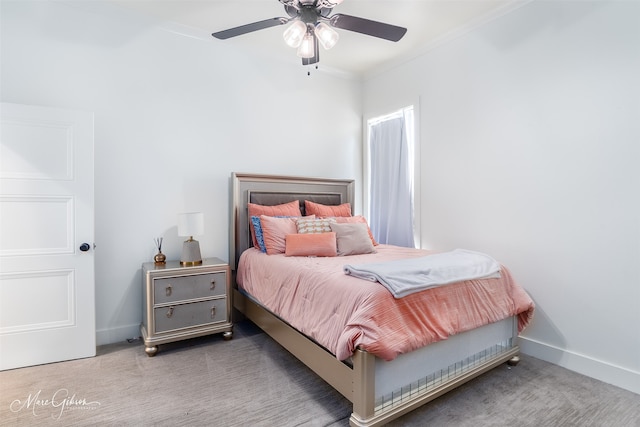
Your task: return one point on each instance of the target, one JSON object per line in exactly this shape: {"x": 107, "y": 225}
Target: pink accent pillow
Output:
{"x": 314, "y": 244}
{"x": 357, "y": 219}
{"x": 286, "y": 209}
{"x": 320, "y": 210}
{"x": 274, "y": 231}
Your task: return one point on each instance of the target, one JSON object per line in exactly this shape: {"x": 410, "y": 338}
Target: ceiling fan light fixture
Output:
{"x": 307, "y": 47}
{"x": 327, "y": 36}
{"x": 295, "y": 33}
{"x": 311, "y": 23}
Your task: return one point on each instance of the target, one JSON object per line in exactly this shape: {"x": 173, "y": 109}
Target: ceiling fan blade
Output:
{"x": 248, "y": 28}
{"x": 316, "y": 54}
{"x": 366, "y": 26}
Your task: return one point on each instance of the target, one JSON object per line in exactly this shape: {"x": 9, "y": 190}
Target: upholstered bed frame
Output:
{"x": 379, "y": 391}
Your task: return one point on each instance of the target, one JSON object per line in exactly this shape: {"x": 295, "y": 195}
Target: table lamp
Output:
{"x": 191, "y": 224}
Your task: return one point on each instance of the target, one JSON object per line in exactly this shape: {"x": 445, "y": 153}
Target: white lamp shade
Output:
{"x": 191, "y": 224}
{"x": 307, "y": 47}
{"x": 327, "y": 36}
{"x": 294, "y": 34}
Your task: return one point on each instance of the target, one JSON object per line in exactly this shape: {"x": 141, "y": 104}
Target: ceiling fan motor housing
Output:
{"x": 309, "y": 14}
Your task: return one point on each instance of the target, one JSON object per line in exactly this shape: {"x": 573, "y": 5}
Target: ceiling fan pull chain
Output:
{"x": 309, "y": 68}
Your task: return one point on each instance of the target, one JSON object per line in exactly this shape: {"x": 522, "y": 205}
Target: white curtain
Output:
{"x": 391, "y": 183}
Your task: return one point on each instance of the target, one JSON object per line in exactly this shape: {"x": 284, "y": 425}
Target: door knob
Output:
{"x": 85, "y": 247}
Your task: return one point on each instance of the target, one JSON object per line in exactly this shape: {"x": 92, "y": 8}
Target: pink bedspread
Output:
{"x": 343, "y": 313}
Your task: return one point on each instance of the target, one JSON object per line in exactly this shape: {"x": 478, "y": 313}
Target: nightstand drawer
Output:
{"x": 192, "y": 314}
{"x": 181, "y": 288}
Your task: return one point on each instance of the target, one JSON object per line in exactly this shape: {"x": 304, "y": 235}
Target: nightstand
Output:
{"x": 185, "y": 302}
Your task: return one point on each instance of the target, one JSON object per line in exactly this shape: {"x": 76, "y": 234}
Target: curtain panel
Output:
{"x": 391, "y": 201}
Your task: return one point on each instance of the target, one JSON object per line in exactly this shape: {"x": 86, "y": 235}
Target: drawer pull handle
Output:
{"x": 170, "y": 312}
{"x": 168, "y": 290}
{"x": 213, "y": 284}
{"x": 213, "y": 312}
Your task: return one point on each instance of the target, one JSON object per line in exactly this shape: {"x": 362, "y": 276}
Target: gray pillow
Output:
{"x": 352, "y": 239}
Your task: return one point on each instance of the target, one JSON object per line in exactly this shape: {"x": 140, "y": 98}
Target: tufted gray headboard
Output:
{"x": 274, "y": 190}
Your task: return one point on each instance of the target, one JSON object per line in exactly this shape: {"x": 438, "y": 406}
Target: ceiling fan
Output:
{"x": 311, "y": 24}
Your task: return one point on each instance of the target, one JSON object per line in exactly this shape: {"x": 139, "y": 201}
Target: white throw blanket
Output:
{"x": 406, "y": 276}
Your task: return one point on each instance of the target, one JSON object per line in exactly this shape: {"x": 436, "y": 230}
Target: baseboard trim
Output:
{"x": 119, "y": 334}
{"x": 585, "y": 365}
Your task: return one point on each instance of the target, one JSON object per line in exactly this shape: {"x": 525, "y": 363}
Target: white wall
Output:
{"x": 174, "y": 116}
{"x": 529, "y": 139}
{"x": 530, "y": 146}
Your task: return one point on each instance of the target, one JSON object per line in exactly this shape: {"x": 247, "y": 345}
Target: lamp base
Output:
{"x": 191, "y": 253}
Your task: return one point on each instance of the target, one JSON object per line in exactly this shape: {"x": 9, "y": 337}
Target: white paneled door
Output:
{"x": 47, "y": 308}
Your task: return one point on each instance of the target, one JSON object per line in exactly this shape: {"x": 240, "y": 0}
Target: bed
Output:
{"x": 381, "y": 387}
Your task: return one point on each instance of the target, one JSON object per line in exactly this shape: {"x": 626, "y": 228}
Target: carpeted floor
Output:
{"x": 252, "y": 381}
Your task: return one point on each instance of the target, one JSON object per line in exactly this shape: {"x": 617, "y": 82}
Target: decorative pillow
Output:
{"x": 308, "y": 226}
{"x": 257, "y": 229}
{"x": 315, "y": 244}
{"x": 355, "y": 219}
{"x": 352, "y": 239}
{"x": 286, "y": 209}
{"x": 274, "y": 231}
{"x": 320, "y": 210}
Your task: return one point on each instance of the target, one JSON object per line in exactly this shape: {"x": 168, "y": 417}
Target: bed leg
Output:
{"x": 363, "y": 388}
{"x": 513, "y": 361}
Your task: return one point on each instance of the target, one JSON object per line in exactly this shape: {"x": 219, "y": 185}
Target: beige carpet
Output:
{"x": 252, "y": 381}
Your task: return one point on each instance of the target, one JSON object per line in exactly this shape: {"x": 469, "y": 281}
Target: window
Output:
{"x": 391, "y": 177}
